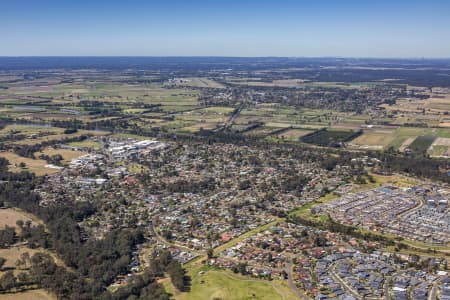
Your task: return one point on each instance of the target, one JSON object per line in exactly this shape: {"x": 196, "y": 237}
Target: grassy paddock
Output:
{"x": 374, "y": 139}
{"x": 37, "y": 166}
{"x": 67, "y": 154}
{"x": 60, "y": 136}
{"x": 12, "y": 254}
{"x": 38, "y": 294}
{"x": 86, "y": 144}
{"x": 9, "y": 217}
{"x": 421, "y": 144}
{"x": 224, "y": 284}
{"x": 328, "y": 137}
{"x": 403, "y": 133}
{"x": 294, "y": 134}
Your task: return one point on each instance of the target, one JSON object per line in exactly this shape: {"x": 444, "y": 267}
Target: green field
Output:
{"x": 421, "y": 144}
{"x": 403, "y": 133}
{"x": 225, "y": 285}
{"x": 86, "y": 144}
{"x": 329, "y": 137}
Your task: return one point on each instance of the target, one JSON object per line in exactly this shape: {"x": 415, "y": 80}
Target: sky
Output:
{"x": 294, "y": 28}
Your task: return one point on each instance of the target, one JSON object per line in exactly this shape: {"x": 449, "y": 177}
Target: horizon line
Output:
{"x": 225, "y": 56}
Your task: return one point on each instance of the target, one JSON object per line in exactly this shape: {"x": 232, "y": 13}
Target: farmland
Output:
{"x": 330, "y": 138}
{"x": 375, "y": 139}
{"x": 193, "y": 105}
{"x": 258, "y": 107}
{"x": 421, "y": 144}
{"x": 440, "y": 147}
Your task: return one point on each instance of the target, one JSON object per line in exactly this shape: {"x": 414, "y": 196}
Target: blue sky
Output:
{"x": 364, "y": 28}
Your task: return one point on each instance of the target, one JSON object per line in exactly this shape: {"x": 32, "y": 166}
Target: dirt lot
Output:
{"x": 442, "y": 142}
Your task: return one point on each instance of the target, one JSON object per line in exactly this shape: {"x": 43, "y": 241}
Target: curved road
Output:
{"x": 342, "y": 282}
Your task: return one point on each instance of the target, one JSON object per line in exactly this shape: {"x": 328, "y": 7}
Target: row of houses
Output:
{"x": 409, "y": 213}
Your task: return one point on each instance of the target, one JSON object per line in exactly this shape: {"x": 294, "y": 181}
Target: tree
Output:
{"x": 23, "y": 277}
{"x": 8, "y": 281}
{"x": 166, "y": 234}
{"x": 165, "y": 258}
{"x": 23, "y": 261}
{"x": 210, "y": 253}
{"x": 177, "y": 275}
{"x": 7, "y": 236}
{"x": 242, "y": 268}
{"x": 2, "y": 262}
{"x": 234, "y": 222}
{"x": 20, "y": 223}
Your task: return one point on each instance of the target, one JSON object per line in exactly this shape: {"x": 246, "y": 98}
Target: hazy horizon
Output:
{"x": 233, "y": 56}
